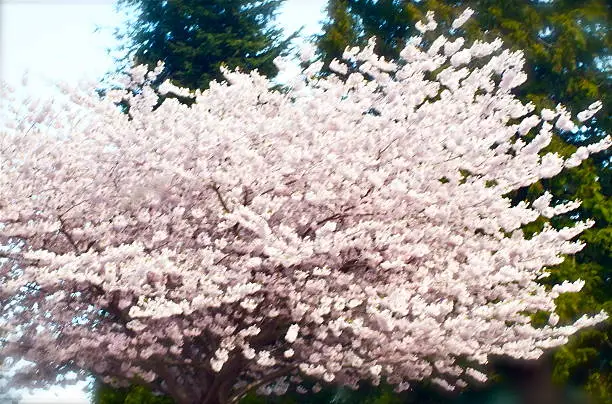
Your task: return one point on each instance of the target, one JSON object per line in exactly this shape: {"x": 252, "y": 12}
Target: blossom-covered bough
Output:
{"x": 353, "y": 228}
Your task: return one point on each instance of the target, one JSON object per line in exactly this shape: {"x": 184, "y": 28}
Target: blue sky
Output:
{"x": 67, "y": 40}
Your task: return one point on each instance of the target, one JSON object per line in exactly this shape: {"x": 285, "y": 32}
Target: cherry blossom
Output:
{"x": 346, "y": 228}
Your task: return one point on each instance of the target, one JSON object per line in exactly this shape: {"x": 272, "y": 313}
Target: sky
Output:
{"x": 67, "y": 41}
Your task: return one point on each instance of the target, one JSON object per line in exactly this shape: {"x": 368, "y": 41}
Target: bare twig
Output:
{"x": 380, "y": 152}
{"x": 367, "y": 193}
{"x": 215, "y": 188}
{"x": 217, "y": 262}
{"x": 246, "y": 193}
{"x": 72, "y": 207}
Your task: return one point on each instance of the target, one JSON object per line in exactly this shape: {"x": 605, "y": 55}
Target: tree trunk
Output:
{"x": 538, "y": 387}
{"x": 218, "y": 390}
{"x": 533, "y": 381}
{"x": 211, "y": 396}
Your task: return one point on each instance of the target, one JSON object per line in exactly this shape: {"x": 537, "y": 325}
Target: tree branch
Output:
{"x": 268, "y": 378}
{"x": 68, "y": 237}
{"x": 215, "y": 188}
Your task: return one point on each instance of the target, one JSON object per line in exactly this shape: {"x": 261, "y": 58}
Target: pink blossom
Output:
{"x": 346, "y": 229}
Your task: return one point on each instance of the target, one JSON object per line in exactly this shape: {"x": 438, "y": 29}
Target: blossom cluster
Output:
{"x": 351, "y": 227}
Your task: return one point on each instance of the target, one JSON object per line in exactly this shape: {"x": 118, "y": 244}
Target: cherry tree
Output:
{"x": 350, "y": 228}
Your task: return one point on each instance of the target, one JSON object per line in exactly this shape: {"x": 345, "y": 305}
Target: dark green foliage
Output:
{"x": 338, "y": 31}
{"x": 195, "y": 38}
{"x": 136, "y": 394}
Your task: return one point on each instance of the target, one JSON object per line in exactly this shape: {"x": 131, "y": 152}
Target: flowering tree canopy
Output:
{"x": 353, "y": 227}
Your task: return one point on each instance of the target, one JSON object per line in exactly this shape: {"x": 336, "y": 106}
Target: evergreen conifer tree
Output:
{"x": 194, "y": 38}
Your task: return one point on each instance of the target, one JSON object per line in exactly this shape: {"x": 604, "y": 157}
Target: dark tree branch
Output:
{"x": 215, "y": 188}
{"x": 268, "y": 378}
{"x": 67, "y": 236}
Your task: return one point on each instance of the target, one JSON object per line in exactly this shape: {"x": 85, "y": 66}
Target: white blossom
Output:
{"x": 476, "y": 375}
{"x": 459, "y": 21}
{"x": 429, "y": 26}
{"x": 548, "y": 114}
{"x": 553, "y": 319}
{"x": 292, "y": 333}
{"x": 590, "y": 112}
{"x": 338, "y": 67}
{"x": 350, "y": 228}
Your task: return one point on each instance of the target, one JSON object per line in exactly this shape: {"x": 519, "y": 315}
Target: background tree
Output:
{"x": 338, "y": 31}
{"x": 194, "y": 38}
{"x": 567, "y": 46}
